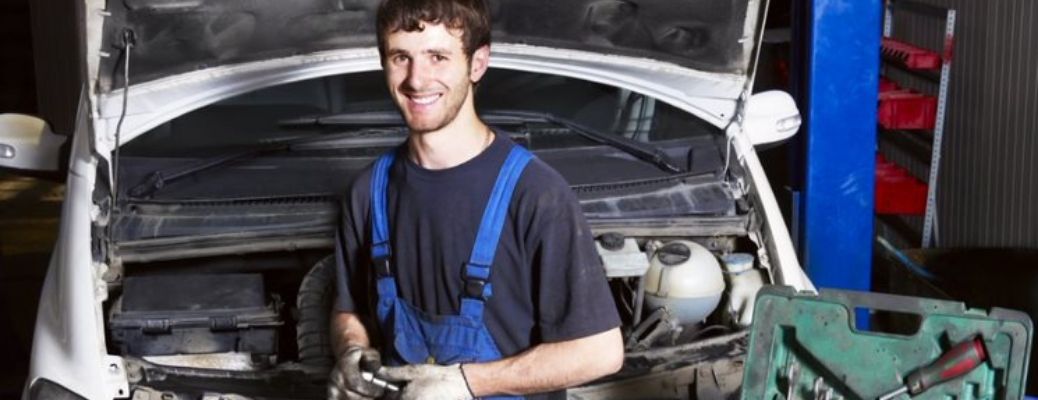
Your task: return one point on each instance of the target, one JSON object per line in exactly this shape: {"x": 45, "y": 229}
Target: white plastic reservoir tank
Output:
{"x": 686, "y": 279}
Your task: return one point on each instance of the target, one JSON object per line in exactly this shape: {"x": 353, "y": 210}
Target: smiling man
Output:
{"x": 465, "y": 263}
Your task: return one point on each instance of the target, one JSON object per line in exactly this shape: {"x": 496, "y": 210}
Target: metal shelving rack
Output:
{"x": 916, "y": 142}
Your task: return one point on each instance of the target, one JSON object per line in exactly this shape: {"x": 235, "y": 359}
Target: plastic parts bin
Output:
{"x": 905, "y": 109}
{"x": 897, "y": 192}
{"x": 913, "y": 57}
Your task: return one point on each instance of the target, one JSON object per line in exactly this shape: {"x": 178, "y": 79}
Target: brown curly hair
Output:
{"x": 469, "y": 16}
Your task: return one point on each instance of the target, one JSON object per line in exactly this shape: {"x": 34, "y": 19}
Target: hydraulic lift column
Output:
{"x": 836, "y": 59}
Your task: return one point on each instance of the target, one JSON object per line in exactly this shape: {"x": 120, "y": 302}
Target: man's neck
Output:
{"x": 461, "y": 140}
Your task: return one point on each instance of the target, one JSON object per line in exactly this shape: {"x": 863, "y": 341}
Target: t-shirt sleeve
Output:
{"x": 350, "y": 256}
{"x": 573, "y": 295}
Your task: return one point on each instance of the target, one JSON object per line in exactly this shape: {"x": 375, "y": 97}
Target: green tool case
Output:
{"x": 813, "y": 338}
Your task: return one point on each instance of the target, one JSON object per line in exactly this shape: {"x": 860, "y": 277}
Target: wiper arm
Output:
{"x": 365, "y": 119}
{"x": 642, "y": 151}
{"x": 156, "y": 180}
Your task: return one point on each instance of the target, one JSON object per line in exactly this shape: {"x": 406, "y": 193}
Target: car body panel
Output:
{"x": 27, "y": 143}
{"x": 69, "y": 334}
{"x": 712, "y": 97}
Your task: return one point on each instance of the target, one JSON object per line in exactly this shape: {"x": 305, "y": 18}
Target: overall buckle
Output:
{"x": 475, "y": 288}
{"x": 382, "y": 267}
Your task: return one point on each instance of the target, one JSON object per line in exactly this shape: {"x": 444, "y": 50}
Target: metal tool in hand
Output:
{"x": 368, "y": 370}
{"x": 382, "y": 383}
{"x": 956, "y": 362}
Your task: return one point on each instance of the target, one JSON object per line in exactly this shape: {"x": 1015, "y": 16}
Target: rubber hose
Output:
{"x": 314, "y": 303}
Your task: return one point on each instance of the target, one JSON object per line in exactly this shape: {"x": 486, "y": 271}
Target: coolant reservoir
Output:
{"x": 744, "y": 282}
{"x": 685, "y": 278}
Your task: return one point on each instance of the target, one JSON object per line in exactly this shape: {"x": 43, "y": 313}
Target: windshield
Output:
{"x": 337, "y": 124}
{"x": 260, "y": 117}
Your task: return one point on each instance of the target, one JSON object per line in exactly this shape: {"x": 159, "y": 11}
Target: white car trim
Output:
{"x": 709, "y": 96}
{"x": 69, "y": 333}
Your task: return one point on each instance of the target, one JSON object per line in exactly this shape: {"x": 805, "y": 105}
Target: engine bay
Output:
{"x": 235, "y": 324}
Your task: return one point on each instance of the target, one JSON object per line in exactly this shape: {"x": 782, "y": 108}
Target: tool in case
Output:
{"x": 805, "y": 346}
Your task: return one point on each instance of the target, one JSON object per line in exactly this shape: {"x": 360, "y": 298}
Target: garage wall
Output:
{"x": 56, "y": 46}
{"x": 17, "y": 93}
{"x": 989, "y": 174}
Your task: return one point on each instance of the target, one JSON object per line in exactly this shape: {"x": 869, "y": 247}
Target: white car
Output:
{"x": 201, "y": 202}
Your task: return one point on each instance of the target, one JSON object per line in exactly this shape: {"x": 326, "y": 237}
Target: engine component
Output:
{"x": 621, "y": 256}
{"x": 195, "y": 314}
{"x": 743, "y": 283}
{"x": 685, "y": 278}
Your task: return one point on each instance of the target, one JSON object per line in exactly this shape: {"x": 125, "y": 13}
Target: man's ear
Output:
{"x": 479, "y": 64}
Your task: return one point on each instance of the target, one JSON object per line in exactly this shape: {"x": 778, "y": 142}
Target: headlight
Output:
{"x": 43, "y": 389}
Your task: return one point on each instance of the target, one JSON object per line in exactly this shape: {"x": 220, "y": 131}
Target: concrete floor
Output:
{"x": 29, "y": 213}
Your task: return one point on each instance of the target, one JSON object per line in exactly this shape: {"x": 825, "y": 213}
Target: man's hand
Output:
{"x": 346, "y": 381}
{"x": 432, "y": 382}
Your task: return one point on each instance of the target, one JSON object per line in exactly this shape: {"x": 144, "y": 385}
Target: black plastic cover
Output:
{"x": 195, "y": 314}
{"x": 173, "y": 36}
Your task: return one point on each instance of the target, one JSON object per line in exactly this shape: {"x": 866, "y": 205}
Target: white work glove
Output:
{"x": 346, "y": 381}
{"x": 429, "y": 382}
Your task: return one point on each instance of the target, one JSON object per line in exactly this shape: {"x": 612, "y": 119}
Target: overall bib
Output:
{"x": 413, "y": 336}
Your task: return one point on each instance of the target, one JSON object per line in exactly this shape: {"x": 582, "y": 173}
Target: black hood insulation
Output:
{"x": 176, "y": 36}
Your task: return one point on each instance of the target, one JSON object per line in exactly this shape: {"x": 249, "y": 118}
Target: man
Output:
{"x": 469, "y": 258}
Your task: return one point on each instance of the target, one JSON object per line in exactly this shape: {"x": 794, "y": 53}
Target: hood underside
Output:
{"x": 175, "y": 36}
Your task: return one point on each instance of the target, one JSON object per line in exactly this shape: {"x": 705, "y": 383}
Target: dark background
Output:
{"x": 28, "y": 220}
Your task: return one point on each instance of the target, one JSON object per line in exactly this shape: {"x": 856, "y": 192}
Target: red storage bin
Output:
{"x": 912, "y": 56}
{"x": 897, "y": 192}
{"x": 887, "y": 85}
{"x": 905, "y": 109}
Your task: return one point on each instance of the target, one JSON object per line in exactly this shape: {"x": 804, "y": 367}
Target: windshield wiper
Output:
{"x": 360, "y": 119}
{"x": 642, "y": 151}
{"x": 156, "y": 180}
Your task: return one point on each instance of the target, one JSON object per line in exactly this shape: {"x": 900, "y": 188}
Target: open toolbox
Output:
{"x": 805, "y": 346}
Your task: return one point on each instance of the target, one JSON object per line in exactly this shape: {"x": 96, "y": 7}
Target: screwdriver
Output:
{"x": 957, "y": 361}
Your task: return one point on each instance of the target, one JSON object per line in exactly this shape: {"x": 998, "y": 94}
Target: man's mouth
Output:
{"x": 424, "y": 100}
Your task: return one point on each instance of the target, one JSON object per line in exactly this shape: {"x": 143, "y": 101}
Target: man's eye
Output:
{"x": 439, "y": 58}
{"x": 400, "y": 59}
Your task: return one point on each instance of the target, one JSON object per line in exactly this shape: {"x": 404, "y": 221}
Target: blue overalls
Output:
{"x": 413, "y": 336}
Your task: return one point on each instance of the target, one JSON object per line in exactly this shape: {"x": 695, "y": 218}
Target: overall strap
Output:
{"x": 477, "y": 271}
{"x": 380, "y": 250}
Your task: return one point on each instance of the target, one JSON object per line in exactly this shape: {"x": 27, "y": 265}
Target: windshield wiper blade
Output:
{"x": 642, "y": 151}
{"x": 156, "y": 180}
{"x": 366, "y": 119}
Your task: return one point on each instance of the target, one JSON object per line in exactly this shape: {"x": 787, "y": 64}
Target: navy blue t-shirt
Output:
{"x": 548, "y": 281}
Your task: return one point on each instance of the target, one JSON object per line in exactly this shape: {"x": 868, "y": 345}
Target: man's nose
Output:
{"x": 416, "y": 75}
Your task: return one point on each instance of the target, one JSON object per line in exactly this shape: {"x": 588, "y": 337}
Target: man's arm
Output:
{"x": 549, "y": 366}
{"x": 346, "y": 331}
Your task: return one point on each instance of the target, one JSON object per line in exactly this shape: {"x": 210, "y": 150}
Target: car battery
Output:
{"x": 806, "y": 345}
{"x": 195, "y": 314}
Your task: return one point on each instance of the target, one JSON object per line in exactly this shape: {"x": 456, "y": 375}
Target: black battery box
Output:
{"x": 195, "y": 314}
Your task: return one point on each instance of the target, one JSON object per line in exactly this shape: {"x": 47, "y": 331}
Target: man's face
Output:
{"x": 429, "y": 75}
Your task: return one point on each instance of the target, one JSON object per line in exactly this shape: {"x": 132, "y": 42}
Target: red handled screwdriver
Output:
{"x": 957, "y": 361}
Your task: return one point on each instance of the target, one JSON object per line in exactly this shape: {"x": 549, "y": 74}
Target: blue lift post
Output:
{"x": 837, "y": 68}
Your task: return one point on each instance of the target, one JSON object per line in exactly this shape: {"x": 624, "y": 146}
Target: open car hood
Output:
{"x": 175, "y": 36}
